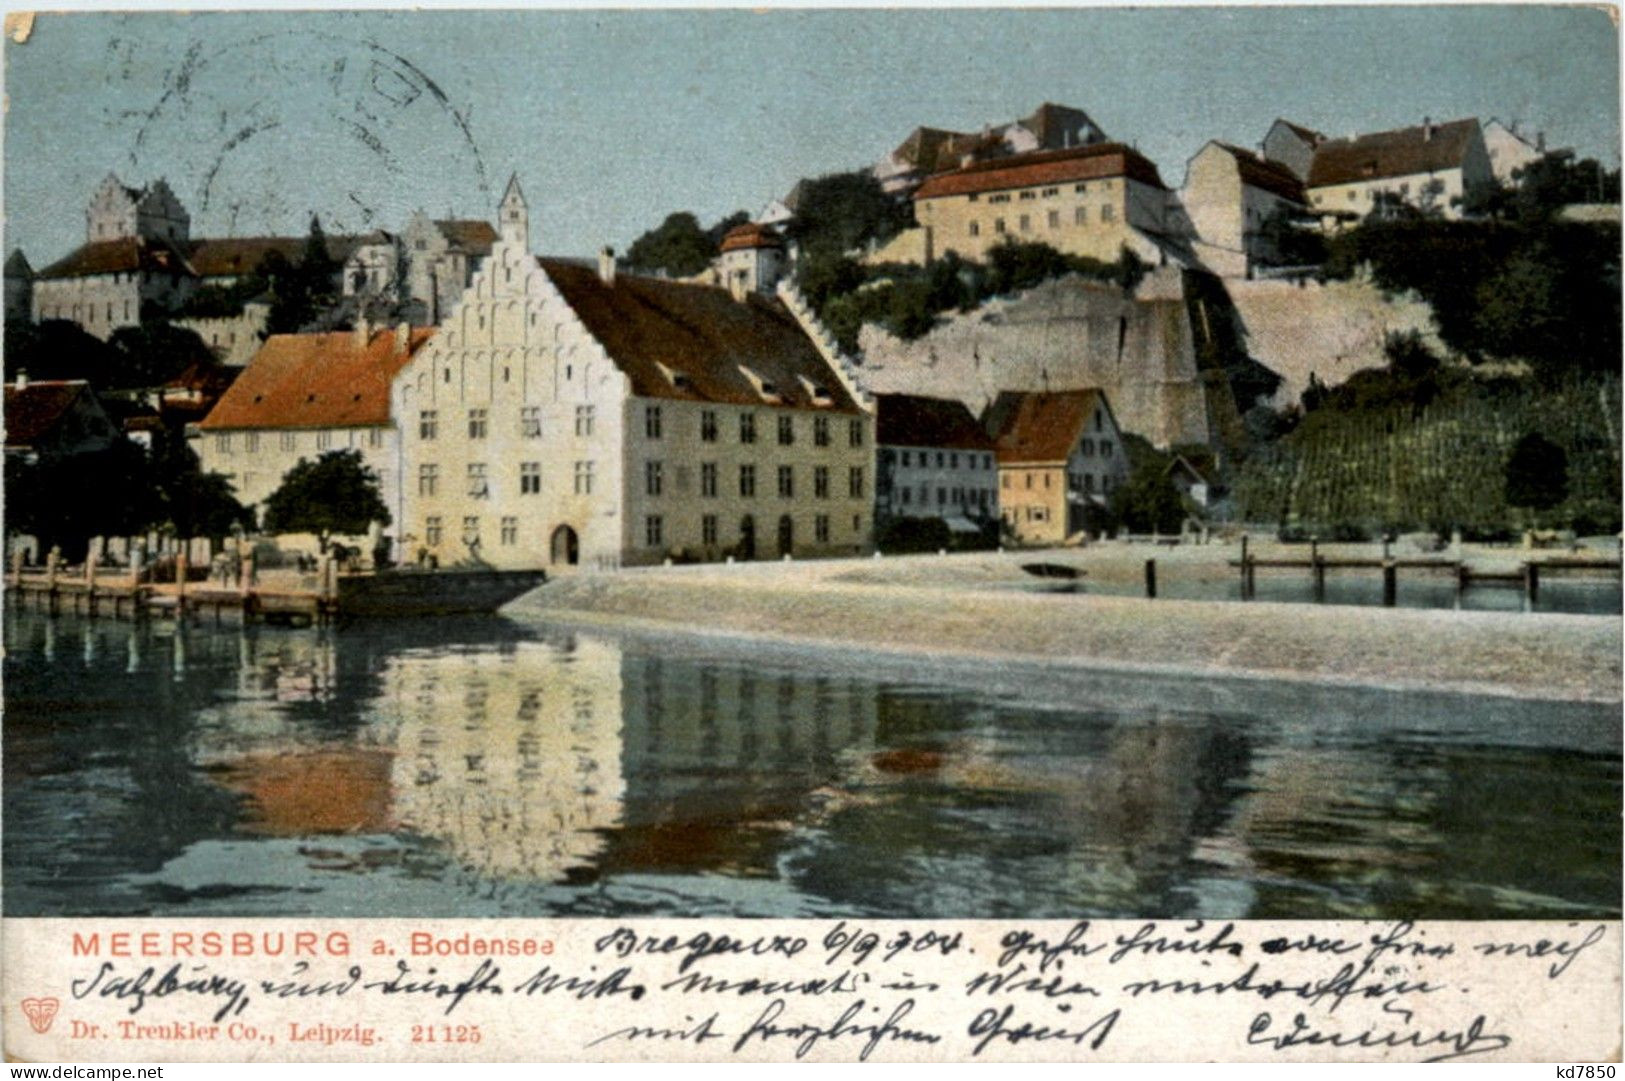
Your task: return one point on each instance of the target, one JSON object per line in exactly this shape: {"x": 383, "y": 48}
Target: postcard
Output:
{"x": 813, "y": 535}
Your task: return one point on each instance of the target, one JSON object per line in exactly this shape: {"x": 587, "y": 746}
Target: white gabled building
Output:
{"x": 564, "y": 414}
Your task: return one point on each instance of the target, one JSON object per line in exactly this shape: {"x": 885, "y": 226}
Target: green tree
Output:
{"x": 845, "y": 212}
{"x": 195, "y": 503}
{"x": 1148, "y": 501}
{"x": 300, "y": 293}
{"x": 65, "y": 500}
{"x": 678, "y": 247}
{"x": 335, "y": 494}
{"x": 60, "y": 349}
{"x": 153, "y": 353}
{"x": 1537, "y": 473}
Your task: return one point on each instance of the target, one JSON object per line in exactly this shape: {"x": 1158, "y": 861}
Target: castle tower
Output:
{"x": 515, "y": 216}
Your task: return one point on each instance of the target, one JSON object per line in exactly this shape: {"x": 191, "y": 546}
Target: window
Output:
{"x": 854, "y": 433}
{"x": 477, "y": 485}
{"x": 1088, "y": 482}
{"x": 1029, "y": 481}
{"x": 476, "y": 423}
{"x": 820, "y": 431}
{"x": 1051, "y": 191}
{"x": 530, "y": 422}
{"x": 942, "y": 496}
{"x": 747, "y": 427}
{"x": 787, "y": 431}
{"x": 857, "y": 523}
{"x": 251, "y": 442}
{"x": 1080, "y": 187}
{"x": 998, "y": 225}
{"x": 975, "y": 228}
{"x": 428, "y": 425}
{"x": 1026, "y": 223}
{"x": 708, "y": 529}
{"x": 940, "y": 462}
{"x": 530, "y": 478}
{"x": 583, "y": 478}
{"x": 471, "y": 530}
{"x": 222, "y": 442}
{"x": 1004, "y": 481}
{"x": 976, "y": 196}
{"x": 510, "y": 530}
{"x": 428, "y": 479}
{"x": 653, "y": 478}
{"x": 324, "y": 440}
{"x": 854, "y": 481}
{"x": 708, "y": 425}
{"x": 1108, "y": 212}
{"x": 375, "y": 439}
{"x": 907, "y": 493}
{"x": 821, "y": 529}
{"x": 821, "y": 481}
{"x": 708, "y": 479}
{"x": 1105, "y": 449}
{"x": 652, "y": 530}
{"x": 651, "y": 421}
{"x": 583, "y": 420}
{"x": 431, "y": 530}
{"x": 1088, "y": 448}
{"x": 1029, "y": 195}
{"x": 289, "y": 441}
{"x": 1055, "y": 219}
{"x": 747, "y": 480}
{"x": 953, "y": 461}
{"x": 787, "y": 482}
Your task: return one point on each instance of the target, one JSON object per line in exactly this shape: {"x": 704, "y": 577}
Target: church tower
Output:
{"x": 515, "y": 216}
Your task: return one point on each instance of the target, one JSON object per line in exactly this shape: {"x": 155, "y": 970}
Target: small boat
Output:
{"x": 1053, "y": 570}
{"x": 411, "y": 592}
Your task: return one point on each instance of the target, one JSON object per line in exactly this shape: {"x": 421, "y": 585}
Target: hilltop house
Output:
{"x": 1060, "y": 453}
{"x": 1509, "y": 151}
{"x": 1093, "y": 200}
{"x": 1429, "y": 166}
{"x": 565, "y": 414}
{"x": 1292, "y": 146}
{"x": 55, "y": 418}
{"x": 1229, "y": 196}
{"x": 931, "y": 150}
{"x": 934, "y": 461}
{"x": 303, "y": 395}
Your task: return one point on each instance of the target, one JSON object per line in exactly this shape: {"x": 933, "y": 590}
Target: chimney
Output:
{"x": 606, "y": 265}
{"x": 1540, "y": 142}
{"x": 403, "y": 336}
{"x": 1427, "y": 129}
{"x": 739, "y": 285}
{"x": 22, "y": 379}
{"x": 363, "y": 330}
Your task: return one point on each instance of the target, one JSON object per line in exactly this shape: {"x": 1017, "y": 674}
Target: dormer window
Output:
{"x": 764, "y": 389}
{"x": 819, "y": 395}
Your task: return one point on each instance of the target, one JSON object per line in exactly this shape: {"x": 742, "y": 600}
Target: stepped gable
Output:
{"x": 702, "y": 336}
{"x": 1094, "y": 162}
{"x": 912, "y": 420}
{"x": 1426, "y": 148}
{"x": 1039, "y": 426}
{"x": 317, "y": 381}
{"x": 127, "y": 255}
{"x": 35, "y": 408}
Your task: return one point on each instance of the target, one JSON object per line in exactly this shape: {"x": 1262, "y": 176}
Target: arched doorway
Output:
{"x": 787, "y": 534}
{"x": 566, "y": 549}
{"x": 747, "y": 537}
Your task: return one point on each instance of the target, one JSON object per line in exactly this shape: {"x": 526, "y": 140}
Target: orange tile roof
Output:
{"x": 226, "y": 257}
{"x": 701, "y": 334}
{"x": 316, "y": 381}
{"x": 751, "y": 235}
{"x": 1043, "y": 167}
{"x": 1037, "y": 427}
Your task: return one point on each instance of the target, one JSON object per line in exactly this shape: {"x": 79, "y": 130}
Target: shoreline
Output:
{"x": 819, "y": 605}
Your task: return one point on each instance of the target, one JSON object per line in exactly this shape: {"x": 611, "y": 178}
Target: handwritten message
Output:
{"x": 817, "y": 991}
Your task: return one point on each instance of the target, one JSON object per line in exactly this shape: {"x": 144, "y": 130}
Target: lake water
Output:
{"x": 482, "y": 767}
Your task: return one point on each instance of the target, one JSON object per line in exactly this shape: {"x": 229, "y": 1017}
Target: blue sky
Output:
{"x": 614, "y": 119}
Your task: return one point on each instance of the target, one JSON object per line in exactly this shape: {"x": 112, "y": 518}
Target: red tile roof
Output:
{"x": 1043, "y": 167}
{"x": 923, "y": 147}
{"x": 702, "y": 336}
{"x": 235, "y": 256}
{"x": 33, "y": 409}
{"x": 118, "y": 256}
{"x": 910, "y": 420}
{"x": 751, "y": 235}
{"x": 1040, "y": 427}
{"x": 316, "y": 381}
{"x": 1270, "y": 176}
{"x": 1402, "y": 152}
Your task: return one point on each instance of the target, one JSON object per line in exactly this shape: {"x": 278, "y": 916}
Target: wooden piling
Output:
{"x": 1151, "y": 579}
{"x": 1246, "y": 571}
{"x": 1318, "y": 567}
{"x": 1390, "y": 582}
{"x": 1531, "y": 585}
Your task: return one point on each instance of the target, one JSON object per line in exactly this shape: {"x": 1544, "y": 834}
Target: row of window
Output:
{"x": 434, "y": 531}
{"x": 1078, "y": 482}
{"x": 946, "y": 459}
{"x": 654, "y": 480}
{"x": 61, "y": 311}
{"x": 479, "y": 484}
{"x": 961, "y": 497}
{"x": 1080, "y": 216}
{"x": 1032, "y": 193}
{"x": 530, "y": 425}
{"x": 226, "y": 442}
{"x": 654, "y": 529}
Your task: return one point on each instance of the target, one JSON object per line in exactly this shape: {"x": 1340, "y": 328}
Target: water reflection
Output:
{"x": 485, "y": 768}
